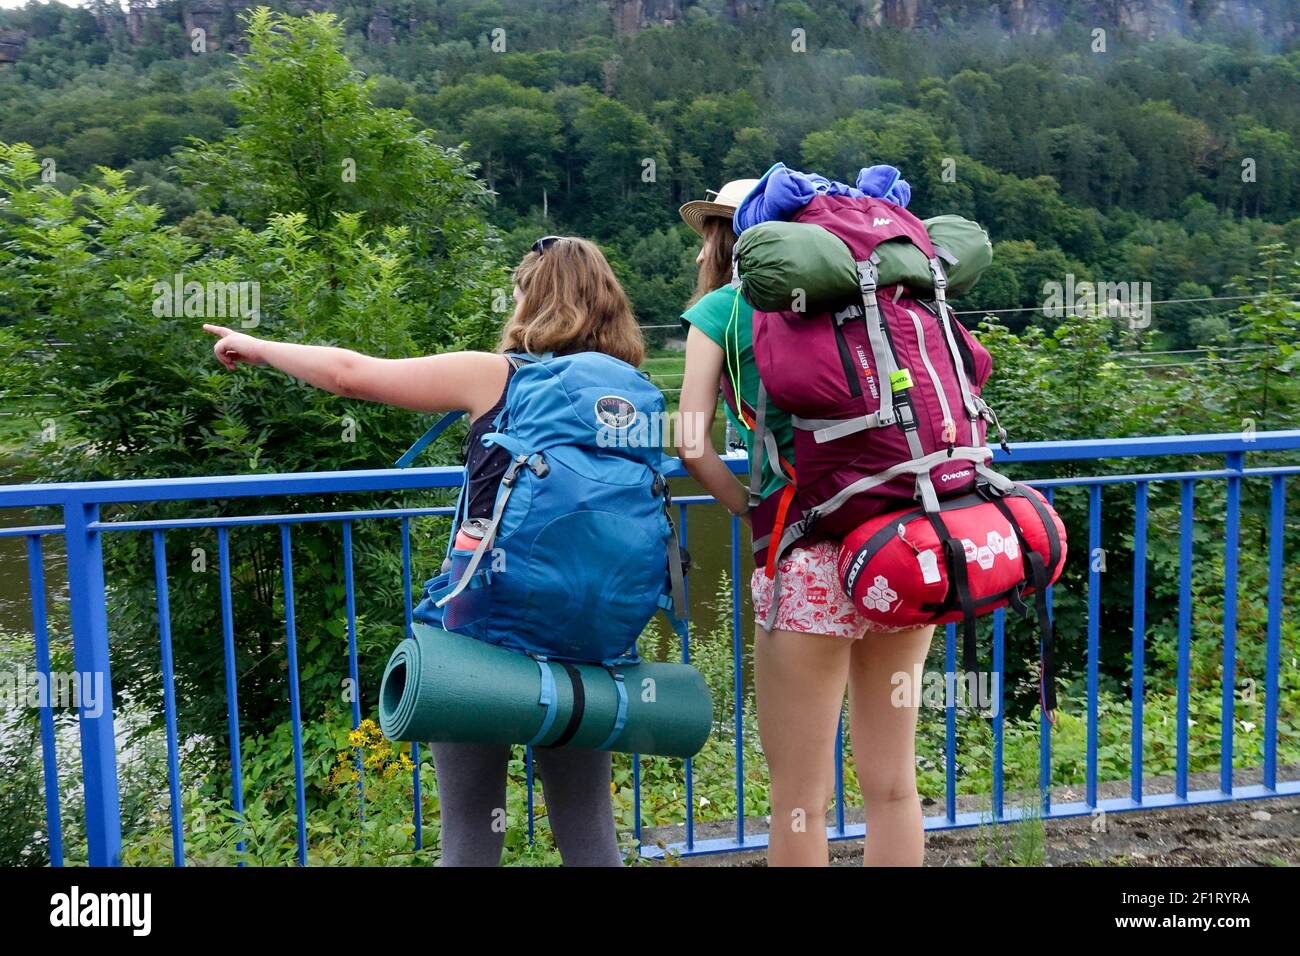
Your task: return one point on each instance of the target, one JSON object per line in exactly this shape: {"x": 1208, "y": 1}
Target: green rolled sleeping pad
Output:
{"x": 448, "y": 688}
{"x": 777, "y": 258}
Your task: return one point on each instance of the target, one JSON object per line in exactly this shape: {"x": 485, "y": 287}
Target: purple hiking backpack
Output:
{"x": 884, "y": 392}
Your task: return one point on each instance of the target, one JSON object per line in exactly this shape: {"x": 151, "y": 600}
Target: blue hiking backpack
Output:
{"x": 580, "y": 550}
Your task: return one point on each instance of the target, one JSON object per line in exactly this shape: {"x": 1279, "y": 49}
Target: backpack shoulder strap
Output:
{"x": 516, "y": 359}
{"x": 425, "y": 440}
{"x": 755, "y": 419}
{"x": 520, "y": 359}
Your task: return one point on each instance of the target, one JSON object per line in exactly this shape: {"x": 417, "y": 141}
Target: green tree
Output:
{"x": 515, "y": 148}
{"x": 89, "y": 273}
{"x": 624, "y": 162}
{"x": 344, "y": 156}
{"x": 1267, "y": 327}
{"x": 754, "y": 150}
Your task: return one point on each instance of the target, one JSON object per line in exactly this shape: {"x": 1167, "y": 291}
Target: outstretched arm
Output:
{"x": 698, "y": 406}
{"x": 471, "y": 381}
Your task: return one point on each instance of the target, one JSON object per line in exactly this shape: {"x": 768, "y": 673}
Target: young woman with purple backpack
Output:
{"x": 820, "y": 643}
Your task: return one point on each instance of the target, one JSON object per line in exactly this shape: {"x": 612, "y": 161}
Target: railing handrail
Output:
{"x": 1155, "y": 446}
{"x": 416, "y": 479}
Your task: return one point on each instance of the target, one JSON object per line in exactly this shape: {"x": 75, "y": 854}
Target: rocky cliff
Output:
{"x": 1147, "y": 18}
{"x": 139, "y": 22}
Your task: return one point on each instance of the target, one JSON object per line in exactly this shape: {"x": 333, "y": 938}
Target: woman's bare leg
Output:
{"x": 884, "y": 744}
{"x": 799, "y": 681}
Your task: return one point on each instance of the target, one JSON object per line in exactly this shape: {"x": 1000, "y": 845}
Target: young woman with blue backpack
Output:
{"x": 574, "y": 342}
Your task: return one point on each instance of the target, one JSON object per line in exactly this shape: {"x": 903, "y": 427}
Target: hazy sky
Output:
{"x": 10, "y": 4}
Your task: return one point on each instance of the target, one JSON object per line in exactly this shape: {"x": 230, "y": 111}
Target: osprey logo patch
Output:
{"x": 614, "y": 411}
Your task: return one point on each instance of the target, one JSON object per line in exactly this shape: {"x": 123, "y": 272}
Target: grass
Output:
{"x": 665, "y": 370}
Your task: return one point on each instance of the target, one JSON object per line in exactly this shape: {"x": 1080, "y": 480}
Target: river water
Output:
{"x": 15, "y": 596}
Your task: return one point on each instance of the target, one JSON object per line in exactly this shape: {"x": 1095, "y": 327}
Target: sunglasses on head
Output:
{"x": 545, "y": 243}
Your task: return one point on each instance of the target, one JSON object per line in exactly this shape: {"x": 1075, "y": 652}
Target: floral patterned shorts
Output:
{"x": 812, "y": 599}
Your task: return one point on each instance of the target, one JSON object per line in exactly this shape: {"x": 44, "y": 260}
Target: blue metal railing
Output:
{"x": 82, "y": 531}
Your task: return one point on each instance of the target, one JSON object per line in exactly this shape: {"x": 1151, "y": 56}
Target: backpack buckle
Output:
{"x": 512, "y": 473}
{"x": 867, "y": 277}
{"x": 940, "y": 280}
{"x": 849, "y": 312}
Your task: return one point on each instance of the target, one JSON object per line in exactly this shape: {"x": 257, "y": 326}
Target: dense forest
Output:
{"x": 1160, "y": 149}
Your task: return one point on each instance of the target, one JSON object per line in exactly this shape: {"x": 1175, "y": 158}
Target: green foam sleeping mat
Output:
{"x": 448, "y": 688}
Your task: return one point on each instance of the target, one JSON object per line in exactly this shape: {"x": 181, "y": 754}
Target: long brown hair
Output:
{"x": 715, "y": 270}
{"x": 571, "y": 302}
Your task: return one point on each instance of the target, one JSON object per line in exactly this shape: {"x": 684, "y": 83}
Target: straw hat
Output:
{"x": 718, "y": 202}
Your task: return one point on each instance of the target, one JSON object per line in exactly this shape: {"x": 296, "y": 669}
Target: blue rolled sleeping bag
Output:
{"x": 447, "y": 688}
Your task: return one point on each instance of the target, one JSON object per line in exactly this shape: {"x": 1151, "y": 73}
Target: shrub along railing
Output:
{"x": 83, "y": 532}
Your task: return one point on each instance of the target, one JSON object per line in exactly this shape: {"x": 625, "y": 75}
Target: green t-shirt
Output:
{"x": 728, "y": 320}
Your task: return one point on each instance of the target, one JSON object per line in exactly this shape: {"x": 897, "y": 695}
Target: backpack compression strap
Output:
{"x": 941, "y": 302}
{"x": 675, "y": 605}
{"x": 975, "y": 406}
{"x": 768, "y": 453}
{"x": 902, "y": 411}
{"x": 537, "y": 464}
{"x": 882, "y": 353}
{"x": 620, "y": 718}
{"x": 547, "y": 699}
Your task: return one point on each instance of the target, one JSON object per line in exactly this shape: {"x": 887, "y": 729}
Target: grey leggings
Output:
{"x": 472, "y": 795}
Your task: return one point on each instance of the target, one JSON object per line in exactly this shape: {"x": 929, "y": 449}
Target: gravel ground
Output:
{"x": 1248, "y": 833}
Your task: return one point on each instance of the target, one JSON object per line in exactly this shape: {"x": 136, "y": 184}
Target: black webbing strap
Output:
{"x": 579, "y": 706}
{"x": 961, "y": 584}
{"x": 958, "y": 588}
{"x": 1025, "y": 550}
{"x": 1036, "y": 574}
{"x": 1047, "y": 632}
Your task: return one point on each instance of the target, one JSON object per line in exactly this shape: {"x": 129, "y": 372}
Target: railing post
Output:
{"x": 1273, "y": 640}
{"x": 1232, "y": 532}
{"x": 86, "y": 603}
{"x": 738, "y": 680}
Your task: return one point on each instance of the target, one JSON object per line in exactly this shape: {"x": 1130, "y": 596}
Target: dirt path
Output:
{"x": 1250, "y": 833}
{"x": 1247, "y": 833}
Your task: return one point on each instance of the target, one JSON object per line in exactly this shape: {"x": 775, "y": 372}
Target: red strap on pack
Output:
{"x": 778, "y": 527}
{"x": 746, "y": 415}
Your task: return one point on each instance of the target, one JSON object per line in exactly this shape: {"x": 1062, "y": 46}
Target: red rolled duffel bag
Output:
{"x": 979, "y": 552}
